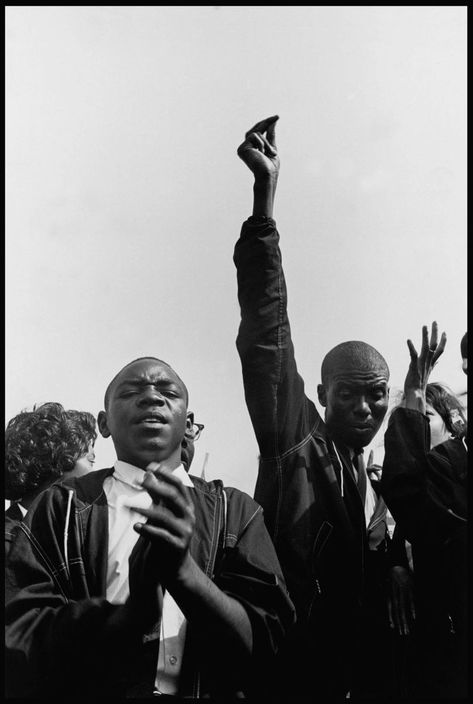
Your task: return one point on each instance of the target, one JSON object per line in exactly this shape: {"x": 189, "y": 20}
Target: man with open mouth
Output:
{"x": 140, "y": 580}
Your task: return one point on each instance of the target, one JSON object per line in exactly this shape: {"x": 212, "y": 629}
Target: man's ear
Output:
{"x": 189, "y": 423}
{"x": 102, "y": 423}
{"x": 322, "y": 394}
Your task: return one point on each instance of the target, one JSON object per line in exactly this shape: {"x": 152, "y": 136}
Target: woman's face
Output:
{"x": 84, "y": 464}
{"x": 438, "y": 429}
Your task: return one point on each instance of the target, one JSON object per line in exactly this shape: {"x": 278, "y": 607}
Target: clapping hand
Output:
{"x": 170, "y": 524}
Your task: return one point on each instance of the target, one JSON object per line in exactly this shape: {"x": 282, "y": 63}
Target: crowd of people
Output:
{"x": 143, "y": 579}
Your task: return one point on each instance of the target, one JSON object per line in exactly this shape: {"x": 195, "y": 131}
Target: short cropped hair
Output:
{"x": 106, "y": 399}
{"x": 44, "y": 444}
{"x": 350, "y": 355}
{"x": 447, "y": 405}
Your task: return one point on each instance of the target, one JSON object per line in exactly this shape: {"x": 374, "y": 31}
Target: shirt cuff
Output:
{"x": 260, "y": 220}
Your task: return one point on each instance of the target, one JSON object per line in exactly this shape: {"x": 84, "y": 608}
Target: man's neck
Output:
{"x": 169, "y": 464}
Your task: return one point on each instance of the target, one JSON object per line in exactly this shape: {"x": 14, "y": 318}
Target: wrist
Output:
{"x": 184, "y": 576}
{"x": 415, "y": 399}
{"x": 265, "y": 184}
{"x": 263, "y": 196}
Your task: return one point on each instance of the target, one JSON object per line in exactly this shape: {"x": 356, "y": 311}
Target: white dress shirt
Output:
{"x": 124, "y": 492}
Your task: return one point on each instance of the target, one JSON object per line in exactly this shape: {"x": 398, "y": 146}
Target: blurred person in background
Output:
{"x": 425, "y": 488}
{"x": 41, "y": 446}
{"x": 446, "y": 421}
{"x": 464, "y": 352}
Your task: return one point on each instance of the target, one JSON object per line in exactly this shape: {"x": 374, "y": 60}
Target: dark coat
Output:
{"x": 426, "y": 491}
{"x": 63, "y": 635}
{"x": 13, "y": 516}
{"x": 320, "y": 535}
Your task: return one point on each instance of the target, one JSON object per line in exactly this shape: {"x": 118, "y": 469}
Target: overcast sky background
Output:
{"x": 125, "y": 196}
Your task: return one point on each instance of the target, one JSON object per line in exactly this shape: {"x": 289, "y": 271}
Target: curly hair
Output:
{"x": 448, "y": 406}
{"x": 42, "y": 445}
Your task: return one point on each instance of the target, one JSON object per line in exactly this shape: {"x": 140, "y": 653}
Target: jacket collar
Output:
{"x": 133, "y": 476}
{"x": 89, "y": 487}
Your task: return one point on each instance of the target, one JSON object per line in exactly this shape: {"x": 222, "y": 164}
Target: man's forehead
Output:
{"x": 147, "y": 370}
{"x": 357, "y": 377}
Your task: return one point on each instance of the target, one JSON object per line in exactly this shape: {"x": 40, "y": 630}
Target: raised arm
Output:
{"x": 418, "y": 483}
{"x": 280, "y": 412}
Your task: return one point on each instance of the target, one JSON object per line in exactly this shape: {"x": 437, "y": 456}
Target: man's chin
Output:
{"x": 357, "y": 437}
{"x": 362, "y": 438}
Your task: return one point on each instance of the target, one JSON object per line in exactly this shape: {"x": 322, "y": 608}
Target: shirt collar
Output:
{"x": 23, "y": 510}
{"x": 133, "y": 476}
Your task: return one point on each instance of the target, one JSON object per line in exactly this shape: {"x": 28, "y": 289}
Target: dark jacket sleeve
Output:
{"x": 249, "y": 571}
{"x": 54, "y": 630}
{"x": 281, "y": 413}
{"x": 11, "y": 527}
{"x": 397, "y": 553}
{"x": 420, "y": 486}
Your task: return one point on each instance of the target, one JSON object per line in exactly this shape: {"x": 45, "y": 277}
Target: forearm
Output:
{"x": 58, "y": 644}
{"x": 274, "y": 390}
{"x": 403, "y": 482}
{"x": 397, "y": 553}
{"x": 264, "y": 191}
{"x": 219, "y": 620}
{"x": 264, "y": 327}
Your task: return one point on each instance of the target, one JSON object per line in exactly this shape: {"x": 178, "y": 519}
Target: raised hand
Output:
{"x": 170, "y": 524}
{"x": 422, "y": 364}
{"x": 259, "y": 151}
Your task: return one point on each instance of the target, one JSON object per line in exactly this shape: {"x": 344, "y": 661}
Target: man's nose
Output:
{"x": 150, "y": 396}
{"x": 362, "y": 406}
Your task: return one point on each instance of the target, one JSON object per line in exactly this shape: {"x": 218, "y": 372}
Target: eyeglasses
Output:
{"x": 197, "y": 428}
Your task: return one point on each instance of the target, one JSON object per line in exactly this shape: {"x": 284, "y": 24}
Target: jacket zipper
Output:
{"x": 221, "y": 499}
{"x": 316, "y": 550}
{"x": 66, "y": 531}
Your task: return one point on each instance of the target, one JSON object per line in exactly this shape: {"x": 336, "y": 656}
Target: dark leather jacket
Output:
{"x": 64, "y": 638}
{"x": 319, "y": 534}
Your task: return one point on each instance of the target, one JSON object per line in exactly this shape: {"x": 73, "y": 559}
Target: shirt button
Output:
{"x": 173, "y": 659}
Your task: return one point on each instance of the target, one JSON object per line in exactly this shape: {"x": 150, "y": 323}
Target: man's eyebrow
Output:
{"x": 162, "y": 381}
{"x": 353, "y": 384}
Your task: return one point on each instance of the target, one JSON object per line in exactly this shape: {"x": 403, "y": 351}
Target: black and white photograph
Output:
{"x": 236, "y": 353}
